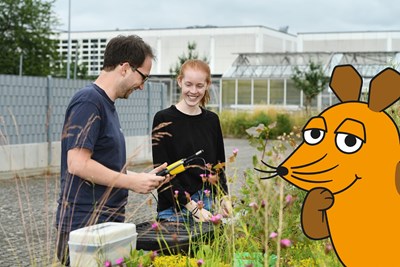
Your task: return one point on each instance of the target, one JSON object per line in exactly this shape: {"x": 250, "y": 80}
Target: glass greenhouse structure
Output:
{"x": 264, "y": 79}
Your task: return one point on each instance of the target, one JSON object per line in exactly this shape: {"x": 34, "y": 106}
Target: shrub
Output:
{"x": 235, "y": 123}
{"x": 283, "y": 126}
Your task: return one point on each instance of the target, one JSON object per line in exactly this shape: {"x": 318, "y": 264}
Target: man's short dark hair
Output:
{"x": 131, "y": 49}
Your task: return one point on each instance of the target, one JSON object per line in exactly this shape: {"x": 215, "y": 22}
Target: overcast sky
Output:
{"x": 298, "y": 15}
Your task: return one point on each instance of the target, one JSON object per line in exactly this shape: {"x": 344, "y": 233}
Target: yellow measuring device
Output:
{"x": 178, "y": 166}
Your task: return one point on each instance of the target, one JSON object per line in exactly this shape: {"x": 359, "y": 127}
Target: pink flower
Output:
{"x": 108, "y": 264}
{"x": 200, "y": 262}
{"x": 176, "y": 192}
{"x": 285, "y": 243}
{"x": 235, "y": 151}
{"x": 155, "y": 226}
{"x": 262, "y": 203}
{"x": 207, "y": 192}
{"x": 119, "y": 261}
{"x": 254, "y": 205}
{"x": 153, "y": 255}
{"x": 216, "y": 219}
{"x": 328, "y": 248}
{"x": 273, "y": 235}
{"x": 289, "y": 199}
{"x": 203, "y": 177}
{"x": 188, "y": 196}
{"x": 200, "y": 204}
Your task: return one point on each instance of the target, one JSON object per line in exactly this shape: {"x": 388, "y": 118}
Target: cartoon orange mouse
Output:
{"x": 348, "y": 163}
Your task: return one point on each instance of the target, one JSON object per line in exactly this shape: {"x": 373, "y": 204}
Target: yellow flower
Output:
{"x": 174, "y": 260}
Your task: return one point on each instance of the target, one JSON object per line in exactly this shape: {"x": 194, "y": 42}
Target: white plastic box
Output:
{"x": 93, "y": 245}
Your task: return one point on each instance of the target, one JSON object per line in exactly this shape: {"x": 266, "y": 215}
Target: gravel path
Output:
{"x": 28, "y": 205}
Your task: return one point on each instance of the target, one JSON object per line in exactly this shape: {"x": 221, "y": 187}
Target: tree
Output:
{"x": 77, "y": 70}
{"x": 311, "y": 81}
{"x": 26, "y": 34}
{"x": 191, "y": 54}
{"x": 174, "y": 71}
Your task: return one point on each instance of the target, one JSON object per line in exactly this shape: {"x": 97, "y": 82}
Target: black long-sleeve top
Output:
{"x": 182, "y": 137}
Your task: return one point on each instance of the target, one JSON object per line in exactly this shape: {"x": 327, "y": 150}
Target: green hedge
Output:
{"x": 235, "y": 123}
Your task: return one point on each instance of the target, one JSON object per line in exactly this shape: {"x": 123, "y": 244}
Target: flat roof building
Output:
{"x": 220, "y": 45}
{"x": 252, "y": 65}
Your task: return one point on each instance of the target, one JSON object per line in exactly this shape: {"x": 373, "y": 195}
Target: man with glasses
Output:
{"x": 144, "y": 76}
{"x": 94, "y": 179}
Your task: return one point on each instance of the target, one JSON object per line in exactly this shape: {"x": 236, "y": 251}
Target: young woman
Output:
{"x": 179, "y": 132}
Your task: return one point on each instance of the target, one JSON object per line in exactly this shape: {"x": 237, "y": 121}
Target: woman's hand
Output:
{"x": 226, "y": 207}
{"x": 199, "y": 214}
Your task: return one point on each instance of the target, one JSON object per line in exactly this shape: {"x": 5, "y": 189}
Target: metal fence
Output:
{"x": 32, "y": 108}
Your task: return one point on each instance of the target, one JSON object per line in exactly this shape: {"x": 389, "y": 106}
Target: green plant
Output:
{"x": 191, "y": 54}
{"x": 28, "y": 41}
{"x": 235, "y": 124}
{"x": 273, "y": 207}
{"x": 311, "y": 80}
{"x": 283, "y": 125}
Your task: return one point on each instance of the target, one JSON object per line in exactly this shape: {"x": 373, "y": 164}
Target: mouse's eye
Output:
{"x": 348, "y": 143}
{"x": 313, "y": 136}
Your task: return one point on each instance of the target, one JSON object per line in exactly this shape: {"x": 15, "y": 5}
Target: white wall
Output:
{"x": 32, "y": 159}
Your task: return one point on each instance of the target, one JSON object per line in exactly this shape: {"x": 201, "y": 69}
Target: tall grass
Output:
{"x": 265, "y": 229}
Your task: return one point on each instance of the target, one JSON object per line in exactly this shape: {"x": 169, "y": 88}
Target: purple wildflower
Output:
{"x": 119, "y": 261}
{"x": 328, "y": 248}
{"x": 216, "y": 219}
{"x": 254, "y": 205}
{"x": 153, "y": 255}
{"x": 273, "y": 235}
{"x": 200, "y": 262}
{"x": 200, "y": 204}
{"x": 155, "y": 226}
{"x": 289, "y": 199}
{"x": 188, "y": 196}
{"x": 207, "y": 192}
{"x": 285, "y": 243}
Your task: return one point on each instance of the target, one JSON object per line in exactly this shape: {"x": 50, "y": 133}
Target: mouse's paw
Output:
{"x": 320, "y": 198}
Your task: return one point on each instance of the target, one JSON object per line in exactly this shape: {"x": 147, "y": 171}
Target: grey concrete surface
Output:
{"x": 28, "y": 204}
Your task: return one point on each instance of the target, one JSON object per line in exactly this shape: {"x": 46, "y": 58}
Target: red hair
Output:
{"x": 200, "y": 65}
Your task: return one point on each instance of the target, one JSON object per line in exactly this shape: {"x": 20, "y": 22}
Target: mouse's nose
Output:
{"x": 282, "y": 171}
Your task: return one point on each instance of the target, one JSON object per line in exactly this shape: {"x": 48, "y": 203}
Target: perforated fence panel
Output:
{"x": 32, "y": 108}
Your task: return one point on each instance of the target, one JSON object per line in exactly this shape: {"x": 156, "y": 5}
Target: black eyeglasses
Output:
{"x": 144, "y": 76}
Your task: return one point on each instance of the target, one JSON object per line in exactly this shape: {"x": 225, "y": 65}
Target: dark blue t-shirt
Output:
{"x": 91, "y": 122}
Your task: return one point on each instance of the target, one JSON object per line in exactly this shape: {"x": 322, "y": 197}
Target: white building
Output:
{"x": 254, "y": 62}
{"x": 220, "y": 45}
{"x": 367, "y": 41}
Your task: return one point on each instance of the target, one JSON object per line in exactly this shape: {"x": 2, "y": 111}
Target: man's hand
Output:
{"x": 144, "y": 183}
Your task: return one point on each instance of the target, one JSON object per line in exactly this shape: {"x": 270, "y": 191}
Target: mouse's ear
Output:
{"x": 384, "y": 89}
{"x": 346, "y": 83}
